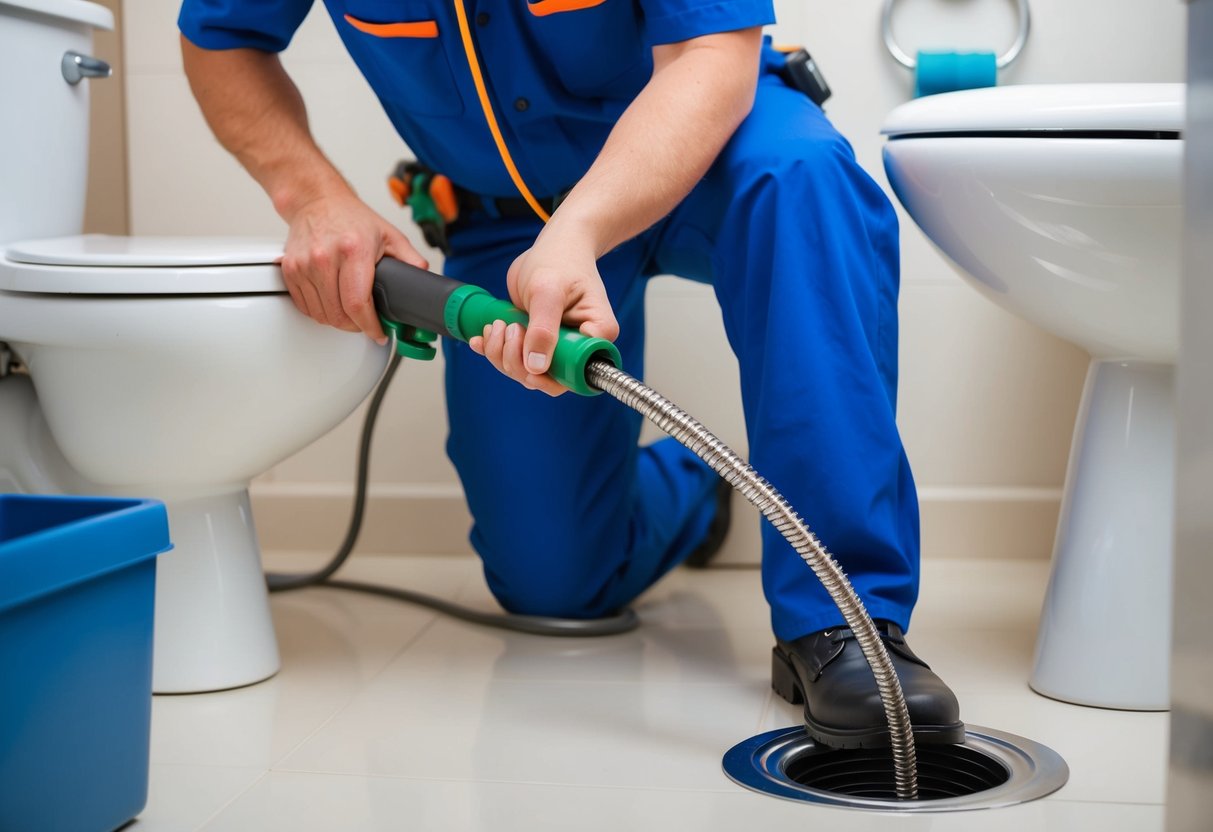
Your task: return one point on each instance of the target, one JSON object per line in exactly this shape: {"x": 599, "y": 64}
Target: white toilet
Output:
{"x": 1063, "y": 204}
{"x": 169, "y": 368}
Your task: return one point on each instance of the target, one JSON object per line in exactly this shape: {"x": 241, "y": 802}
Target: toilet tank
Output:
{"x": 44, "y": 135}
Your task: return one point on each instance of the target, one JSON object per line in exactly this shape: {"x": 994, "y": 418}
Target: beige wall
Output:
{"x": 106, "y": 208}
{"x": 987, "y": 402}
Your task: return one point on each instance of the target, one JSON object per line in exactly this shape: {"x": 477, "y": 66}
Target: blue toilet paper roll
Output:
{"x": 938, "y": 72}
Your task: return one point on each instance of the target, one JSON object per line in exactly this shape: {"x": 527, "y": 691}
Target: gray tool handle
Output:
{"x": 408, "y": 295}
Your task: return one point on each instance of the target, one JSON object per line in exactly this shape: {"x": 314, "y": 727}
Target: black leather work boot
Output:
{"x": 827, "y": 671}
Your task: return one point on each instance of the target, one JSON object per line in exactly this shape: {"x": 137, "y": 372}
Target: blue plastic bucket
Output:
{"x": 77, "y": 591}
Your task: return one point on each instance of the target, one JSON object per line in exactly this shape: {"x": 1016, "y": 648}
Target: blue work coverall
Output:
{"x": 798, "y": 242}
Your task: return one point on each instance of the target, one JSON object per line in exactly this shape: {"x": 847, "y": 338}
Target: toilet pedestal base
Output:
{"x": 1105, "y": 629}
{"x": 213, "y": 627}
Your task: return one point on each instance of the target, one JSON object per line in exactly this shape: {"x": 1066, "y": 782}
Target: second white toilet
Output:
{"x": 1063, "y": 204}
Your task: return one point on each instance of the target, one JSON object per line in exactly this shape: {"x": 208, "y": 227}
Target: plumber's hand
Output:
{"x": 554, "y": 282}
{"x": 333, "y": 245}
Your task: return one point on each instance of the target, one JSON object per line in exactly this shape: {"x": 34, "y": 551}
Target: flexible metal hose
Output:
{"x": 724, "y": 461}
{"x": 746, "y": 481}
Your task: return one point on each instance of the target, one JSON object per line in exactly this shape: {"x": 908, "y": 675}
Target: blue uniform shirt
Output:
{"x": 559, "y": 72}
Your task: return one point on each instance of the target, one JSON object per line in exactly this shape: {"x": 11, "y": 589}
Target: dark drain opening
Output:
{"x": 943, "y": 771}
{"x": 991, "y": 769}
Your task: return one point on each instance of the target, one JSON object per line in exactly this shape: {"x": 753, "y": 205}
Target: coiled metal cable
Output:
{"x": 737, "y": 473}
{"x": 747, "y": 482}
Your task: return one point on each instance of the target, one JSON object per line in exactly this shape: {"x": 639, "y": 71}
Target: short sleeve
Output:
{"x": 231, "y": 24}
{"x": 671, "y": 21}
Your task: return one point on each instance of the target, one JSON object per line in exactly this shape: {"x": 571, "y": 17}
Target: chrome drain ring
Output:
{"x": 993, "y": 768}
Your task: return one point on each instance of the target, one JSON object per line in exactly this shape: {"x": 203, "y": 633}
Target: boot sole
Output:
{"x": 787, "y": 686}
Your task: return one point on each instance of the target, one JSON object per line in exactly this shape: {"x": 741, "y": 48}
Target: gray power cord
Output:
{"x": 534, "y": 624}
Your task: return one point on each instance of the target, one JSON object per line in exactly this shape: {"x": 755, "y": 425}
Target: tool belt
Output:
{"x": 437, "y": 202}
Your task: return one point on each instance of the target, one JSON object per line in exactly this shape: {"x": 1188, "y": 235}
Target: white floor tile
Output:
{"x": 987, "y": 593}
{"x": 972, "y": 660}
{"x": 387, "y": 717}
{"x": 332, "y": 642}
{"x": 716, "y": 598}
{"x": 455, "y": 651}
{"x": 183, "y": 798}
{"x": 1114, "y": 756}
{"x": 295, "y": 802}
{"x": 572, "y": 733}
{"x": 722, "y": 598}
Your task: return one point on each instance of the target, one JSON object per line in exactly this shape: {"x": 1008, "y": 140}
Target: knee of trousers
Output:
{"x": 550, "y": 573}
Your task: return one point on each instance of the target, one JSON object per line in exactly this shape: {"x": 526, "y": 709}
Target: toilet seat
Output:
{"x": 99, "y": 264}
{"x": 1074, "y": 189}
{"x": 1045, "y": 110}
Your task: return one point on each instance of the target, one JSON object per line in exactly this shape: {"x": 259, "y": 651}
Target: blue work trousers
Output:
{"x": 572, "y": 518}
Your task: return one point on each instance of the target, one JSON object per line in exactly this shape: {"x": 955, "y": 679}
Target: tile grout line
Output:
{"x": 1052, "y": 799}
{"x": 227, "y": 804}
{"x": 353, "y": 695}
{"x": 766, "y": 710}
{"x": 728, "y": 786}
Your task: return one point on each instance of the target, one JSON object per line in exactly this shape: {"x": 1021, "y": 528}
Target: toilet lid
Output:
{"x": 98, "y": 264}
{"x": 1052, "y": 110}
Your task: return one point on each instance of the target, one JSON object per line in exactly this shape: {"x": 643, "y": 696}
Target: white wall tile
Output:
{"x": 689, "y": 360}
{"x": 985, "y": 398}
{"x": 150, "y": 36}
{"x": 182, "y": 181}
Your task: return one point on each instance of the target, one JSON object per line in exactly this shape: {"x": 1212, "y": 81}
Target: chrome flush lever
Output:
{"x": 76, "y": 67}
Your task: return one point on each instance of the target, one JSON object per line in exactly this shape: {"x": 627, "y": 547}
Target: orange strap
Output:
{"x": 399, "y": 189}
{"x": 545, "y": 7}
{"x": 442, "y": 191}
{"x": 482, "y": 92}
{"x": 418, "y": 29}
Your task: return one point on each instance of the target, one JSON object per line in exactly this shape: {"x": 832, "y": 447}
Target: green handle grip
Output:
{"x": 407, "y": 295}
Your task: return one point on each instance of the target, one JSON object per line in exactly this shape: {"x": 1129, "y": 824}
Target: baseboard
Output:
{"x": 431, "y": 520}
{"x": 988, "y": 521}
{"x": 961, "y": 522}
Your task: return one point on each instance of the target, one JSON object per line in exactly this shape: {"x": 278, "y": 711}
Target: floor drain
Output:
{"x": 991, "y": 769}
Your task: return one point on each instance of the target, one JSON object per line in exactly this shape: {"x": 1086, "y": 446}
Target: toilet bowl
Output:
{"x": 155, "y": 367}
{"x": 177, "y": 369}
{"x": 1063, "y": 205}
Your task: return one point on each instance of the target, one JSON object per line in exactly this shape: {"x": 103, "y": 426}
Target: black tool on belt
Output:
{"x": 801, "y": 72}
